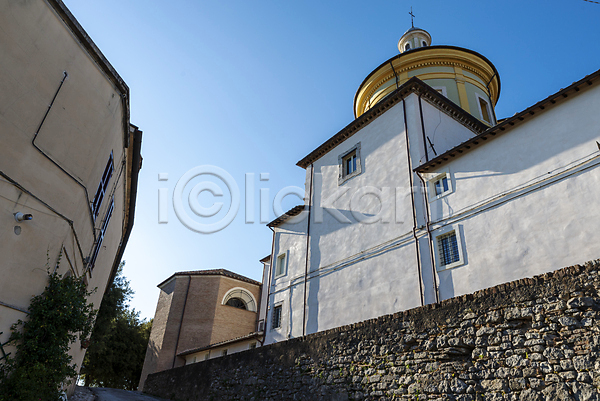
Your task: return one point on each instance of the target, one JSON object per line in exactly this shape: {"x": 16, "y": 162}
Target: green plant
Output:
{"x": 42, "y": 364}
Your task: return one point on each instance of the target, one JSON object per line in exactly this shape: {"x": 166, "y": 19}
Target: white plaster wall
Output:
{"x": 443, "y": 131}
{"x": 359, "y": 271}
{"x": 524, "y": 200}
{"x": 216, "y": 352}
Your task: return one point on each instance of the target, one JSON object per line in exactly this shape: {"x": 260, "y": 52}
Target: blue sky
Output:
{"x": 253, "y": 87}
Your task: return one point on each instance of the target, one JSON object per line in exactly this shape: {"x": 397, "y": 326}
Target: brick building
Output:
{"x": 202, "y": 315}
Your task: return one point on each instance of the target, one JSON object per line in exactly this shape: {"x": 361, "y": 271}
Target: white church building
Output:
{"x": 426, "y": 195}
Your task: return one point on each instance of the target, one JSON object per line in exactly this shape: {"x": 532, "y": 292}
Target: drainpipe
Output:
{"x": 312, "y": 171}
{"x": 69, "y": 221}
{"x": 430, "y": 237}
{"x": 412, "y": 200}
{"x": 396, "y": 75}
{"x": 268, "y": 288}
{"x": 181, "y": 320}
{"x": 490, "y": 96}
{"x": 87, "y": 197}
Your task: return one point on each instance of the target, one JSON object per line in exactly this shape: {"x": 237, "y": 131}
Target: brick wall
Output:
{"x": 535, "y": 339}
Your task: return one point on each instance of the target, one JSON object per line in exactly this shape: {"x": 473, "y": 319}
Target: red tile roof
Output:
{"x": 213, "y": 272}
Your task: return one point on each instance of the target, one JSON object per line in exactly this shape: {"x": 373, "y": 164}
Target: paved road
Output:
{"x": 109, "y": 394}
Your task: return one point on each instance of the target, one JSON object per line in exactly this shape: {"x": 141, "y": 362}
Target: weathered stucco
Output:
{"x": 63, "y": 111}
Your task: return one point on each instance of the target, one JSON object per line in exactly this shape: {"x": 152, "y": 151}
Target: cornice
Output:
{"x": 413, "y": 85}
{"x": 423, "y": 57}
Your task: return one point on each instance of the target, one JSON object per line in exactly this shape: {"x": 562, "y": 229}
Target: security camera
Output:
{"x": 23, "y": 217}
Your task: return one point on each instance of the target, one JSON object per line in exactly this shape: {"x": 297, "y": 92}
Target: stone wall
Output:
{"x": 535, "y": 339}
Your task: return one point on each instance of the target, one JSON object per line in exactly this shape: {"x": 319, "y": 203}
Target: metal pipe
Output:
{"x": 396, "y": 75}
{"x": 430, "y": 238}
{"x": 490, "y": 96}
{"x": 87, "y": 197}
{"x": 414, "y": 230}
{"x": 70, "y": 222}
{"x": 312, "y": 171}
{"x": 269, "y": 286}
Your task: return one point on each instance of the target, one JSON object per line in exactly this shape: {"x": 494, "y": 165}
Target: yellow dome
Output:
{"x": 464, "y": 76}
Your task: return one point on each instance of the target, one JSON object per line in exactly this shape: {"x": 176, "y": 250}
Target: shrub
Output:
{"x": 42, "y": 364}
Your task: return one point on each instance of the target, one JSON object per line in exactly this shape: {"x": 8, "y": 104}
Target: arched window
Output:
{"x": 240, "y": 298}
{"x": 236, "y": 303}
{"x": 424, "y": 44}
{"x": 407, "y": 47}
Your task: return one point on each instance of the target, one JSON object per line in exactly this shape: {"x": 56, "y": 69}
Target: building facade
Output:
{"x": 202, "y": 315}
{"x": 69, "y": 158}
{"x": 426, "y": 196}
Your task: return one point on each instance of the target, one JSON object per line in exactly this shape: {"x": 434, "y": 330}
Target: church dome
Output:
{"x": 464, "y": 76}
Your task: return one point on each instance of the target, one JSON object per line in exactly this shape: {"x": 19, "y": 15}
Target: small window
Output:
{"x": 439, "y": 185}
{"x": 280, "y": 266}
{"x": 449, "y": 252}
{"x": 407, "y": 47}
{"x": 276, "y": 318}
{"x": 206, "y": 356}
{"x": 236, "y": 303}
{"x": 349, "y": 164}
{"x": 239, "y": 298}
{"x": 441, "y": 90}
{"x": 252, "y": 345}
{"x": 98, "y": 245}
{"x": 224, "y": 352}
{"x": 194, "y": 360}
{"x": 484, "y": 109}
{"x": 103, "y": 186}
{"x": 424, "y": 44}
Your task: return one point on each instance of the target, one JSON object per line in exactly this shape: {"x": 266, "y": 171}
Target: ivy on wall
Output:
{"x": 42, "y": 364}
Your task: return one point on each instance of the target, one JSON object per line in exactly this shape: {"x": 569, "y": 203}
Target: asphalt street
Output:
{"x": 109, "y": 394}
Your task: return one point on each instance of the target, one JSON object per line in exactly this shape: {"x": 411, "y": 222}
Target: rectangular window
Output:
{"x": 100, "y": 238}
{"x": 206, "y": 356}
{"x": 252, "y": 345}
{"x": 224, "y": 352}
{"x": 280, "y": 265}
{"x": 103, "y": 186}
{"x": 439, "y": 184}
{"x": 349, "y": 164}
{"x": 448, "y": 248}
{"x": 484, "y": 110}
{"x": 276, "y": 318}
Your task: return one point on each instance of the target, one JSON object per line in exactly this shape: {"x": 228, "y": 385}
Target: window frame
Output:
{"x": 278, "y": 307}
{"x": 479, "y": 99}
{"x": 342, "y": 175}
{"x": 281, "y": 257}
{"x": 441, "y": 90}
{"x": 103, "y": 186}
{"x": 432, "y": 179}
{"x": 98, "y": 246}
{"x": 454, "y": 228}
{"x": 243, "y": 294}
